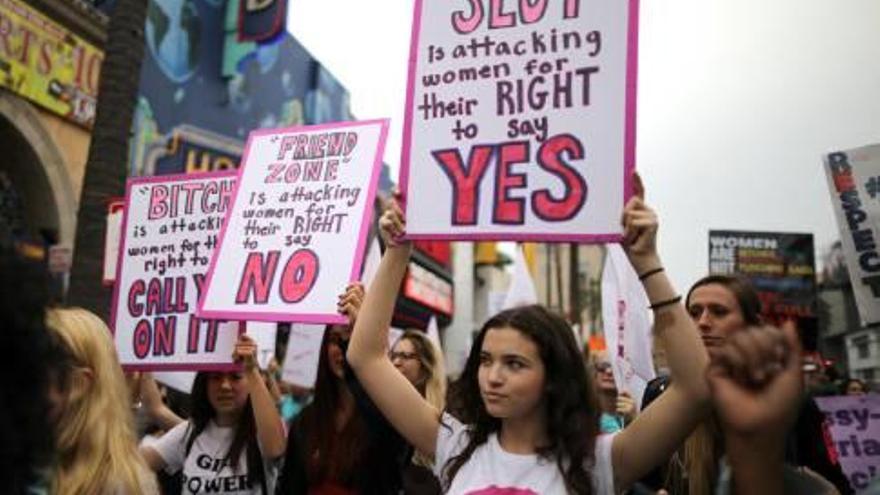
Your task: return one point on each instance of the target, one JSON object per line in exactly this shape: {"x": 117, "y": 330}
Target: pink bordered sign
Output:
{"x": 520, "y": 119}
{"x": 297, "y": 229}
{"x": 170, "y": 228}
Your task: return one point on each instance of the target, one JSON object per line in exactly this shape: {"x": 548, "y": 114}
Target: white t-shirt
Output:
{"x": 492, "y": 471}
{"x": 204, "y": 469}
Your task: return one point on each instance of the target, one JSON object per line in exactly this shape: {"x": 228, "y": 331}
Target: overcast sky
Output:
{"x": 738, "y": 101}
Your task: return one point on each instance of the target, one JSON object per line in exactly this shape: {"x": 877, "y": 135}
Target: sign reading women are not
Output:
{"x": 520, "y": 119}
{"x": 297, "y": 229}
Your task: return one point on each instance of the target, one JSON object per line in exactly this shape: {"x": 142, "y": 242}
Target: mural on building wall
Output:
{"x": 202, "y": 90}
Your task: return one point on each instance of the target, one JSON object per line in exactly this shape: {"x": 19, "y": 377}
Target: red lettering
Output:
{"x": 532, "y": 12}
{"x": 257, "y": 277}
{"x": 299, "y": 275}
{"x": 498, "y": 18}
{"x": 163, "y": 336}
{"x": 5, "y": 32}
{"x": 465, "y": 183}
{"x": 507, "y": 210}
{"x": 26, "y": 37}
{"x": 158, "y": 206}
{"x": 135, "y": 308}
{"x": 44, "y": 64}
{"x": 154, "y": 297}
{"x": 141, "y": 339}
{"x": 466, "y": 25}
{"x": 575, "y": 195}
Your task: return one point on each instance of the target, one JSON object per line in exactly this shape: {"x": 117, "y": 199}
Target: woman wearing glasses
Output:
{"x": 618, "y": 407}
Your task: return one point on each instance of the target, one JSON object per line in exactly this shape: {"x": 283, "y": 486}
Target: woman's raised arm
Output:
{"x": 661, "y": 428}
{"x": 393, "y": 394}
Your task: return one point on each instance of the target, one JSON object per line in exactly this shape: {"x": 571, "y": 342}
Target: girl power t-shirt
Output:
{"x": 492, "y": 471}
{"x": 205, "y": 470}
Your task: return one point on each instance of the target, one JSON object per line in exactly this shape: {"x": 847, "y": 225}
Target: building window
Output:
{"x": 861, "y": 345}
{"x": 868, "y": 375}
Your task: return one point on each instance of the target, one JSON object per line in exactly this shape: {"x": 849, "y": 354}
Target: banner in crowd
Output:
{"x": 780, "y": 266}
{"x": 627, "y": 324}
{"x": 170, "y": 228}
{"x": 46, "y": 63}
{"x": 296, "y": 232}
{"x": 520, "y": 120}
{"x": 854, "y": 422}
{"x": 112, "y": 235}
{"x": 303, "y": 355}
{"x": 854, "y": 181}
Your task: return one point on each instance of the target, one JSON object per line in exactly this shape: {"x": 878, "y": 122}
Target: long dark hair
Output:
{"x": 244, "y": 438}
{"x": 743, "y": 291}
{"x": 569, "y": 399}
{"x": 331, "y": 454}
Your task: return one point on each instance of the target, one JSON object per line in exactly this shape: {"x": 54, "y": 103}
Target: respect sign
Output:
{"x": 520, "y": 119}
{"x": 170, "y": 228}
{"x": 854, "y": 422}
{"x": 297, "y": 229}
{"x": 854, "y": 181}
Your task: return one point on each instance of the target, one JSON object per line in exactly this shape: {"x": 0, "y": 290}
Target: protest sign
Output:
{"x": 854, "y": 180}
{"x": 182, "y": 381}
{"x": 297, "y": 229}
{"x": 780, "y": 266}
{"x": 170, "y": 229}
{"x": 854, "y": 422}
{"x": 112, "y": 236}
{"x": 627, "y": 323}
{"x": 303, "y": 355}
{"x": 520, "y": 119}
{"x": 264, "y": 335}
{"x": 522, "y": 290}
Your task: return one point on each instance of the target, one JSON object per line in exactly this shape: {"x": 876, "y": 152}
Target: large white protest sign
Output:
{"x": 854, "y": 180}
{"x": 854, "y": 422}
{"x": 520, "y": 119}
{"x": 297, "y": 229}
{"x": 303, "y": 355}
{"x": 170, "y": 229}
{"x": 627, "y": 324}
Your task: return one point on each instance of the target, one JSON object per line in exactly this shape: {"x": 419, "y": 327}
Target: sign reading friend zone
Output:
{"x": 520, "y": 120}
{"x": 297, "y": 230}
{"x": 170, "y": 230}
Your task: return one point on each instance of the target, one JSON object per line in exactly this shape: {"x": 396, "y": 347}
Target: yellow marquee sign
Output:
{"x": 47, "y": 64}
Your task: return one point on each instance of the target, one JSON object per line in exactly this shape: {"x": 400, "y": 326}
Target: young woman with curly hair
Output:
{"x": 523, "y": 416}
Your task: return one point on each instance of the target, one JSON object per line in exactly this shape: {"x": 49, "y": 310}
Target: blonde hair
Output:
{"x": 96, "y": 442}
{"x": 434, "y": 372}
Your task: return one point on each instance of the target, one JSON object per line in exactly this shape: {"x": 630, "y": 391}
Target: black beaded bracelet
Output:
{"x": 648, "y": 273}
{"x": 668, "y": 302}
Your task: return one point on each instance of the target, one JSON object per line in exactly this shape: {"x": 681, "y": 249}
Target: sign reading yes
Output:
{"x": 296, "y": 233}
{"x": 520, "y": 119}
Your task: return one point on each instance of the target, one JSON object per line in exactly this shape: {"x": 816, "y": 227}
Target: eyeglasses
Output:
{"x": 403, "y": 355}
{"x": 602, "y": 366}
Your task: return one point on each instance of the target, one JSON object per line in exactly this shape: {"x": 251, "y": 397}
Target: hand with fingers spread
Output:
{"x": 245, "y": 352}
{"x": 350, "y": 301}
{"x": 755, "y": 381}
{"x": 640, "y": 230}
{"x": 392, "y": 224}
